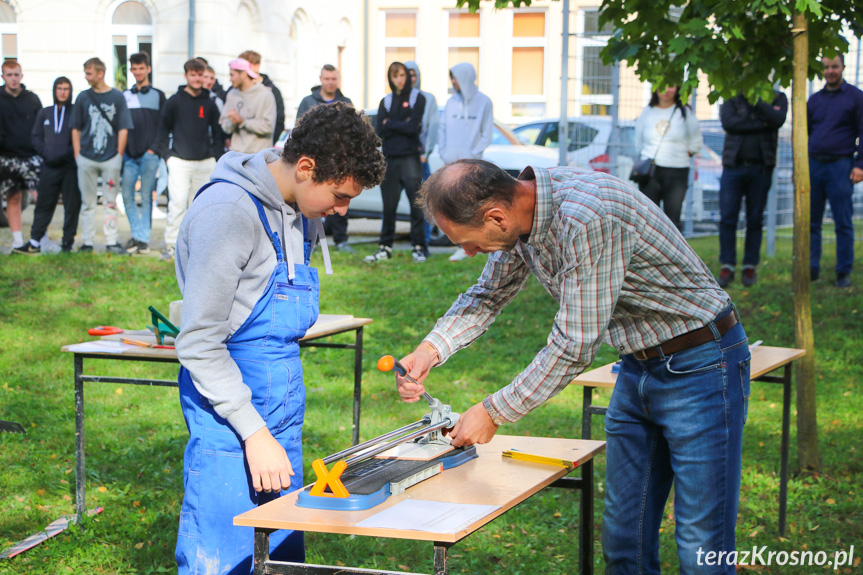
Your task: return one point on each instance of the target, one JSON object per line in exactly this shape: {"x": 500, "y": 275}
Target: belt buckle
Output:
{"x": 640, "y": 355}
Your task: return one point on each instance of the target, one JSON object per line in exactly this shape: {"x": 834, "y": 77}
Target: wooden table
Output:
{"x": 327, "y": 325}
{"x": 488, "y": 480}
{"x": 765, "y": 359}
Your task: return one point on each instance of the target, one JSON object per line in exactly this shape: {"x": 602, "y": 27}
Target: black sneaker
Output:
{"x": 115, "y": 249}
{"x": 66, "y": 248}
{"x": 143, "y": 248}
{"x": 418, "y": 254}
{"x": 726, "y": 274}
{"x": 85, "y": 249}
{"x": 131, "y": 246}
{"x": 383, "y": 253}
{"x": 842, "y": 280}
{"x": 27, "y": 249}
{"x": 749, "y": 276}
{"x": 814, "y": 274}
{"x": 134, "y": 246}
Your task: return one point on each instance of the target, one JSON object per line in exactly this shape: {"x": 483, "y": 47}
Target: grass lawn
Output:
{"x": 136, "y": 435}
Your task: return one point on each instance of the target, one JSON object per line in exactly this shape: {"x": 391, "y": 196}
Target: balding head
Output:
{"x": 462, "y": 191}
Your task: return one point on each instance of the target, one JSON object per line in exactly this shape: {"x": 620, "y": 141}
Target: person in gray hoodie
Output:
{"x": 249, "y": 295}
{"x": 249, "y": 114}
{"x": 466, "y": 128}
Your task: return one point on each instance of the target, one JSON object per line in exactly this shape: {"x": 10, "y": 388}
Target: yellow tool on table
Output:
{"x": 515, "y": 454}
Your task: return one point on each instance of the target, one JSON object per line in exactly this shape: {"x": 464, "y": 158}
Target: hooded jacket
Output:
{"x": 466, "y": 127}
{"x": 193, "y": 121}
{"x": 144, "y": 105}
{"x": 315, "y": 98}
{"x": 224, "y": 260}
{"x": 17, "y": 116}
{"x": 280, "y": 107}
{"x": 431, "y": 118}
{"x": 52, "y": 131}
{"x": 399, "y": 121}
{"x": 257, "y": 107}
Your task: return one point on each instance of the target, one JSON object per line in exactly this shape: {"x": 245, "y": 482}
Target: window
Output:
{"x": 462, "y": 45}
{"x": 8, "y": 33}
{"x": 400, "y": 40}
{"x": 593, "y": 78}
{"x": 131, "y": 32}
{"x": 527, "y": 86}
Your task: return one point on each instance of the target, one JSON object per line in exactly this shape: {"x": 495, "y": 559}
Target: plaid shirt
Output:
{"x": 618, "y": 267}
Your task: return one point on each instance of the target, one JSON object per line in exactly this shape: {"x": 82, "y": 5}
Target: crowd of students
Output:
{"x": 63, "y": 150}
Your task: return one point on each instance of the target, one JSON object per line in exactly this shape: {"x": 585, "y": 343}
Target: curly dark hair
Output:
{"x": 342, "y": 143}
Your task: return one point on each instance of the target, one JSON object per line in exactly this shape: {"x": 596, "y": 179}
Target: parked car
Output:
{"x": 590, "y": 142}
{"x": 505, "y": 151}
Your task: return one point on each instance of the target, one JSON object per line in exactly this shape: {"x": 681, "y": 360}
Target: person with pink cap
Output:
{"x": 249, "y": 114}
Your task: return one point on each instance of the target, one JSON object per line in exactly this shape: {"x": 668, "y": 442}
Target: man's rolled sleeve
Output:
{"x": 589, "y": 288}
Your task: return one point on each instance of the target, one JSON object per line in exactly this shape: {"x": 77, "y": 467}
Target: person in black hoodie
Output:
{"x": 399, "y": 123}
{"x": 19, "y": 164}
{"x": 192, "y": 118}
{"x": 52, "y": 139}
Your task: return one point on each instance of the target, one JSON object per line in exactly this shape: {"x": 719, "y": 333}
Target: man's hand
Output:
{"x": 474, "y": 426}
{"x": 268, "y": 462}
{"x": 235, "y": 117}
{"x": 856, "y": 175}
{"x": 418, "y": 364}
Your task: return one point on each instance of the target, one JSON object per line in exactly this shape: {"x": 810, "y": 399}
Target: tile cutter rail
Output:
{"x": 358, "y": 481}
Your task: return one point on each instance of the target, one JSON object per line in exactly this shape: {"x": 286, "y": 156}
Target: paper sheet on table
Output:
{"x": 434, "y": 516}
{"x": 100, "y": 346}
{"x": 416, "y": 451}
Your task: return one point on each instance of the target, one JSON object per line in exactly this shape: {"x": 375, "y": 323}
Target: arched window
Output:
{"x": 131, "y": 32}
{"x": 8, "y": 33}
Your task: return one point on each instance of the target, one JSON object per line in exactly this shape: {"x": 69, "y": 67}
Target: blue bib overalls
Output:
{"x": 216, "y": 476}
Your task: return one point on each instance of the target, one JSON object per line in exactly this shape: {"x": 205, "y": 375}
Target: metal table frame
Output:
{"x": 266, "y": 566}
{"x": 588, "y": 410}
{"x": 81, "y": 378}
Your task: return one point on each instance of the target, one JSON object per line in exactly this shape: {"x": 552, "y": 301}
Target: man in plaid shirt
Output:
{"x": 622, "y": 273}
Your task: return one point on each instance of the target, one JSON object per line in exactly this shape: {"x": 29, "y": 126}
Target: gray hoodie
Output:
{"x": 257, "y": 107}
{"x": 466, "y": 128}
{"x": 224, "y": 260}
{"x": 431, "y": 118}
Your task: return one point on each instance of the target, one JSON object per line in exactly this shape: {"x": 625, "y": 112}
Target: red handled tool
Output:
{"x": 104, "y": 330}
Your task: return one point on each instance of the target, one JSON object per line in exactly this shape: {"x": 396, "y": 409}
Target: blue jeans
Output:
{"x": 676, "y": 419}
{"x": 146, "y": 167}
{"x": 831, "y": 182}
{"x": 753, "y": 183}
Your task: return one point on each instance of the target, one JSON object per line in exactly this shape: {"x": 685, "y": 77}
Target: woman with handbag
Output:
{"x": 666, "y": 136}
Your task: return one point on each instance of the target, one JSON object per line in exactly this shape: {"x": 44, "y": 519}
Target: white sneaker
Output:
{"x": 383, "y": 253}
{"x": 418, "y": 254}
{"x": 458, "y": 255}
{"x": 158, "y": 214}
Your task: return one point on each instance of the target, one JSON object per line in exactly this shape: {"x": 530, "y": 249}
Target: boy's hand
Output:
{"x": 268, "y": 462}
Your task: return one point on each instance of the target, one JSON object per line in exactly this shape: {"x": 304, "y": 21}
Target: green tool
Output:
{"x": 161, "y": 326}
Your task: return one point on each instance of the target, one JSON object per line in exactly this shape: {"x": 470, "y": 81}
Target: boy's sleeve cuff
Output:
{"x": 246, "y": 421}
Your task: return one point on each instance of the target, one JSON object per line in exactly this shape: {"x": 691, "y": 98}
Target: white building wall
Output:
{"x": 55, "y": 37}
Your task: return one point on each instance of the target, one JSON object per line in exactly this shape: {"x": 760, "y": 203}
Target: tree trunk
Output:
{"x": 808, "y": 453}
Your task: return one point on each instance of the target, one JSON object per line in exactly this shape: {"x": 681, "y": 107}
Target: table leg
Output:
{"x": 585, "y": 548}
{"x": 585, "y": 412}
{"x": 441, "y": 558}
{"x": 358, "y": 384}
{"x": 783, "y": 469}
{"x": 262, "y": 550}
{"x": 80, "y": 476}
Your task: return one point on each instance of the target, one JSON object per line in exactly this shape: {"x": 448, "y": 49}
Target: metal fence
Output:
{"x": 603, "y": 102}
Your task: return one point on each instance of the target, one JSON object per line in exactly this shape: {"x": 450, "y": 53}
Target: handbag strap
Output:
{"x": 667, "y": 128}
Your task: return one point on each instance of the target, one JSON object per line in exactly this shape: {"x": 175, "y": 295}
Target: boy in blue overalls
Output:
{"x": 249, "y": 295}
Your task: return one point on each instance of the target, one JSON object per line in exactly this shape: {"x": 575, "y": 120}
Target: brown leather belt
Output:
{"x": 688, "y": 340}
